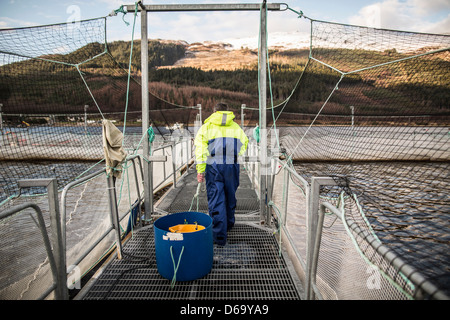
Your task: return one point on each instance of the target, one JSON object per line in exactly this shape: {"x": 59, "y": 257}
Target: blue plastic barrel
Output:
{"x": 183, "y": 256}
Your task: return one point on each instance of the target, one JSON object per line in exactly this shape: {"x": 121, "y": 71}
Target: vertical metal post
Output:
{"x": 148, "y": 192}
{"x": 61, "y": 292}
{"x": 1, "y": 118}
{"x": 352, "y": 108}
{"x": 286, "y": 177}
{"x": 199, "y": 106}
{"x": 262, "y": 111}
{"x": 313, "y": 220}
{"x": 174, "y": 163}
{"x": 242, "y": 115}
{"x": 85, "y": 119}
{"x": 353, "y": 115}
{"x": 312, "y": 227}
{"x": 1, "y": 124}
{"x": 187, "y": 140}
{"x": 55, "y": 218}
{"x": 114, "y": 213}
{"x": 137, "y": 189}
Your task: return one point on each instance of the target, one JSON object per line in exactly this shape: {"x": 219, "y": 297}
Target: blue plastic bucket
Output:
{"x": 183, "y": 256}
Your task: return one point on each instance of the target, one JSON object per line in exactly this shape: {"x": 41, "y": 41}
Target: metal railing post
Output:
{"x": 148, "y": 189}
{"x": 114, "y": 213}
{"x": 286, "y": 194}
{"x": 242, "y": 115}
{"x": 1, "y": 119}
{"x": 61, "y": 292}
{"x": 263, "y": 201}
{"x": 313, "y": 220}
{"x": 149, "y": 208}
{"x": 199, "y": 106}
{"x": 47, "y": 244}
{"x": 174, "y": 165}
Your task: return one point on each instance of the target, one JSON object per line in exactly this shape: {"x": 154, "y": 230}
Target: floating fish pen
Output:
{"x": 343, "y": 190}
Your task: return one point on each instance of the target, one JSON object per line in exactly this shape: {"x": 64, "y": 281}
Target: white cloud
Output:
{"x": 194, "y": 27}
{"x": 204, "y": 26}
{"x": 441, "y": 27}
{"x": 426, "y": 7}
{"x": 6, "y": 23}
{"x": 410, "y": 15}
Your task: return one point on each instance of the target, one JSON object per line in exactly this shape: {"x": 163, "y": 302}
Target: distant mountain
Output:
{"x": 160, "y": 52}
{"x": 202, "y": 73}
{"x": 237, "y": 53}
{"x": 276, "y": 40}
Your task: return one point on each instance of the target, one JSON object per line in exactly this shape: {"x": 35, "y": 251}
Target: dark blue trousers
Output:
{"x": 222, "y": 181}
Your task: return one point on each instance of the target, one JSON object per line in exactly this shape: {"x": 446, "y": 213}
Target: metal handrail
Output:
{"x": 48, "y": 248}
{"x": 314, "y": 236}
{"x": 388, "y": 254}
{"x": 92, "y": 176}
{"x": 175, "y": 169}
{"x": 63, "y": 210}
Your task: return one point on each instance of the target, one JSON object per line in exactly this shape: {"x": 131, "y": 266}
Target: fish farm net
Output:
{"x": 57, "y": 83}
{"x": 369, "y": 109}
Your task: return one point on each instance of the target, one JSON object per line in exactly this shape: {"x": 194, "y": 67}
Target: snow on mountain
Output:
{"x": 235, "y": 53}
{"x": 282, "y": 40}
{"x": 339, "y": 37}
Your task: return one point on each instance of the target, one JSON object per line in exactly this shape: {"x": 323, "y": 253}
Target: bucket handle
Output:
{"x": 175, "y": 268}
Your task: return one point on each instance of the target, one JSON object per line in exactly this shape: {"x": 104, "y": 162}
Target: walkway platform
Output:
{"x": 249, "y": 267}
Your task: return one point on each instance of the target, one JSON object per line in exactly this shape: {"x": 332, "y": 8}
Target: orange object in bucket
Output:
{"x": 185, "y": 228}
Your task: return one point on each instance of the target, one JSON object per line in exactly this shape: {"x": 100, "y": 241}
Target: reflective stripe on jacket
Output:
{"x": 219, "y": 140}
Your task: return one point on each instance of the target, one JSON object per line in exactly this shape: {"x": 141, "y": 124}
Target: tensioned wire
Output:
{"x": 272, "y": 107}
{"x": 342, "y": 73}
{"x": 76, "y": 65}
{"x": 150, "y": 137}
{"x": 268, "y": 73}
{"x": 284, "y": 103}
{"x": 129, "y": 71}
{"x": 105, "y": 51}
{"x": 148, "y": 132}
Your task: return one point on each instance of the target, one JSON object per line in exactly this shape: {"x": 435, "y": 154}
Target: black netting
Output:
{"x": 57, "y": 83}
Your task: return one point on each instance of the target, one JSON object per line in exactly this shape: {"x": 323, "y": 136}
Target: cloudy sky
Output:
{"x": 428, "y": 16}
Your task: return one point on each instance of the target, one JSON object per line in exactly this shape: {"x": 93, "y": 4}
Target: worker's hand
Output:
{"x": 200, "y": 177}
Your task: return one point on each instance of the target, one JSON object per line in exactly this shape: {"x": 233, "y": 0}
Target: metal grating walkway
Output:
{"x": 179, "y": 199}
{"x": 248, "y": 267}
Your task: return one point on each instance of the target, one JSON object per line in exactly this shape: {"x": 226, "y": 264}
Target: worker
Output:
{"x": 218, "y": 144}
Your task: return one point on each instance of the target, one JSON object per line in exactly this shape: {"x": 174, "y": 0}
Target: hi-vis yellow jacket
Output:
{"x": 220, "y": 140}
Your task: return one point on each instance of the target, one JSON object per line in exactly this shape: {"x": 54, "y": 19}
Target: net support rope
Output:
{"x": 288, "y": 161}
{"x": 75, "y": 65}
{"x": 342, "y": 73}
{"x": 149, "y": 133}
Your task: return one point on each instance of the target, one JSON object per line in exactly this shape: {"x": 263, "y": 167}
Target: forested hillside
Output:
{"x": 36, "y": 86}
